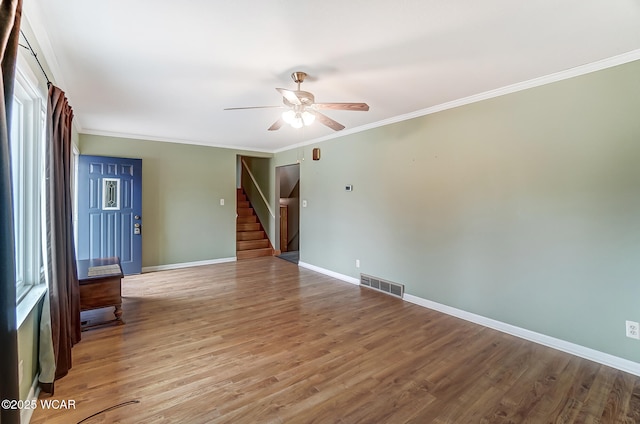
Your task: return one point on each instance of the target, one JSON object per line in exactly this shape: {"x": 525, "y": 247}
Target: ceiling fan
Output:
{"x": 302, "y": 110}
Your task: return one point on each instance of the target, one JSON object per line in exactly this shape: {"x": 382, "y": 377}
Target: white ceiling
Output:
{"x": 165, "y": 70}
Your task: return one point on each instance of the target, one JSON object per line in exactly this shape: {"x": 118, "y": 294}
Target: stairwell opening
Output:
{"x": 251, "y": 239}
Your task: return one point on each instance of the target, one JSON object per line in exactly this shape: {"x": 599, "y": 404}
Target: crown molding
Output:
{"x": 509, "y": 89}
{"x": 170, "y": 140}
{"x": 34, "y": 21}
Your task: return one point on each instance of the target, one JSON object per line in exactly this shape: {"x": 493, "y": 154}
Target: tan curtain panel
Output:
{"x": 60, "y": 322}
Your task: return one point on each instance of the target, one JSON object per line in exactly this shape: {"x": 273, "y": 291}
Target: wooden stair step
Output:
{"x": 252, "y": 244}
{"x": 246, "y": 219}
{"x": 254, "y": 253}
{"x": 250, "y": 235}
{"x": 248, "y": 227}
{"x": 251, "y": 240}
{"x": 245, "y": 211}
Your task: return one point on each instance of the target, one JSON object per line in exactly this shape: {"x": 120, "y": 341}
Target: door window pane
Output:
{"x": 110, "y": 194}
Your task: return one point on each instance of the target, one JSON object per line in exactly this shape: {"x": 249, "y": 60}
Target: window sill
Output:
{"x": 29, "y": 302}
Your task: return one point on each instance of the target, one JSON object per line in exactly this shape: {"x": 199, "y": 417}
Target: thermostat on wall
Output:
{"x": 348, "y": 187}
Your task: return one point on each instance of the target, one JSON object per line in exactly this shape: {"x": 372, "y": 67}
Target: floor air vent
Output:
{"x": 379, "y": 284}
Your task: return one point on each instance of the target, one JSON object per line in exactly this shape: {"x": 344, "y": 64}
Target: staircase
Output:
{"x": 251, "y": 240}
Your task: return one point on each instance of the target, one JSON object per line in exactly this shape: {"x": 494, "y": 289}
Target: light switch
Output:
{"x": 304, "y": 203}
{"x": 221, "y": 202}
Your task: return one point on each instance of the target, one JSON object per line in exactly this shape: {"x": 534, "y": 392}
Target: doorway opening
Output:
{"x": 288, "y": 223}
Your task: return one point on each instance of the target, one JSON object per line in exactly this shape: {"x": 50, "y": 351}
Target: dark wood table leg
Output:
{"x": 118, "y": 313}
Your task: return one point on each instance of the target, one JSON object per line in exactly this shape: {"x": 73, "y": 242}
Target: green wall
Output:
{"x": 523, "y": 208}
{"x": 182, "y": 185}
{"x": 28, "y": 337}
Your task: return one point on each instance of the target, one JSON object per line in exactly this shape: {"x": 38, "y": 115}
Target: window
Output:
{"x": 27, "y": 168}
{"x": 110, "y": 194}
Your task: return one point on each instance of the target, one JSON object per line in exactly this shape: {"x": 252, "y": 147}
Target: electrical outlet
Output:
{"x": 357, "y": 263}
{"x": 633, "y": 330}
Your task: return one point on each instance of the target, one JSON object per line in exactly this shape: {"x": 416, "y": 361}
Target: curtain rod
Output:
{"x": 28, "y": 47}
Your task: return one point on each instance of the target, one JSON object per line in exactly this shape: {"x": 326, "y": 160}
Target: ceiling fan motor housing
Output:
{"x": 306, "y": 99}
{"x": 298, "y": 76}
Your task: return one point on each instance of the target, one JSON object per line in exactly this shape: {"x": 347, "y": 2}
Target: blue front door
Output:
{"x": 110, "y": 210}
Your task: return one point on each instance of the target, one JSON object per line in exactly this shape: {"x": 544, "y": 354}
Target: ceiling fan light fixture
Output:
{"x": 288, "y": 116}
{"x": 308, "y": 117}
{"x": 298, "y": 119}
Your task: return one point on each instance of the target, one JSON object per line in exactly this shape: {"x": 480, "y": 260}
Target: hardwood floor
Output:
{"x": 263, "y": 341}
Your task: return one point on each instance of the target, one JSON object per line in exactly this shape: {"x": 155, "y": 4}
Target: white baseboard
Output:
{"x": 552, "y": 342}
{"x": 558, "y": 344}
{"x": 187, "y": 264}
{"x": 335, "y": 275}
{"x": 34, "y": 391}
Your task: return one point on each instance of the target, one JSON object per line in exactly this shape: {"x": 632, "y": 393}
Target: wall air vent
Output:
{"x": 379, "y": 284}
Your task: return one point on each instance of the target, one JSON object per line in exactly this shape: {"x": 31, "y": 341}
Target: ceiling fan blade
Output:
{"x": 276, "y": 125}
{"x": 254, "y": 107}
{"x": 325, "y": 120}
{"x": 343, "y": 106}
{"x": 290, "y": 96}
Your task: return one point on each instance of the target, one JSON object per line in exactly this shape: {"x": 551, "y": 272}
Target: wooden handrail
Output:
{"x": 255, "y": 183}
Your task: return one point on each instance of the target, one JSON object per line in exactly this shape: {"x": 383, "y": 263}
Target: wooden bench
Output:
{"x": 101, "y": 287}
